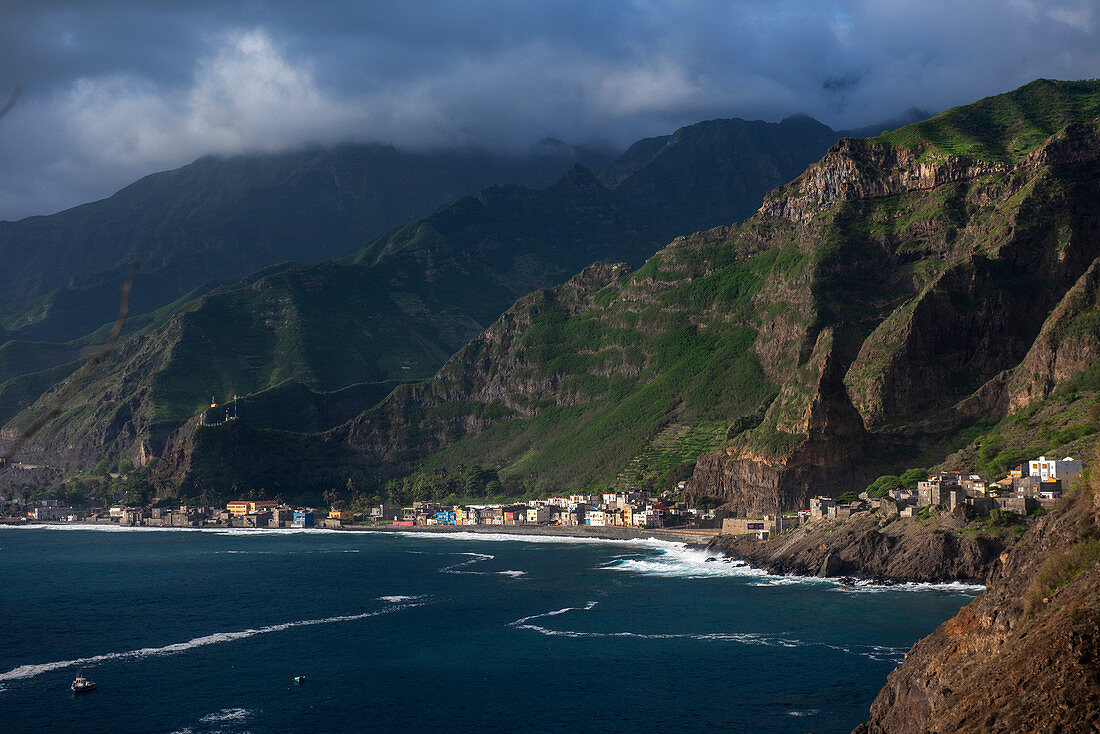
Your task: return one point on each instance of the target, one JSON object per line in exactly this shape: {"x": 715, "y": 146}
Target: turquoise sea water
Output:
{"x": 204, "y": 631}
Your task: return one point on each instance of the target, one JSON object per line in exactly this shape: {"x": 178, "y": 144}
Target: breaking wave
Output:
{"x": 680, "y": 561}
{"x": 870, "y": 587}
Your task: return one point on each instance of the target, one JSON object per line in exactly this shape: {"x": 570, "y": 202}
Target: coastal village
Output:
{"x": 1033, "y": 486}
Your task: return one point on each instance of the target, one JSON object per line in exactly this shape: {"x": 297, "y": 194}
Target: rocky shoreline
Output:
{"x": 1025, "y": 655}
{"x": 938, "y": 549}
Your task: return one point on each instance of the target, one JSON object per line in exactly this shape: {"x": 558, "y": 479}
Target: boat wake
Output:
{"x": 35, "y": 669}
{"x": 879, "y": 653}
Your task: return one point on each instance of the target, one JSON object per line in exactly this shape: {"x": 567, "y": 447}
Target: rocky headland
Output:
{"x": 935, "y": 549}
{"x": 1022, "y": 657}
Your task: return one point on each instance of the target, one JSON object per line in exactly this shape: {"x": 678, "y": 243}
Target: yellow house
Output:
{"x": 238, "y": 508}
{"x": 341, "y": 515}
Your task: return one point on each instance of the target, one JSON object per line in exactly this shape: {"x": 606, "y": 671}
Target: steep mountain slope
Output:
{"x": 1024, "y": 656}
{"x": 222, "y": 218}
{"x": 742, "y": 160}
{"x": 391, "y": 314}
{"x": 395, "y": 310}
{"x": 875, "y": 307}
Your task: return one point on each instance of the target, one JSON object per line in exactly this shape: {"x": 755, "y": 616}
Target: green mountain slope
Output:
{"x": 392, "y": 312}
{"x": 875, "y": 312}
{"x": 222, "y": 218}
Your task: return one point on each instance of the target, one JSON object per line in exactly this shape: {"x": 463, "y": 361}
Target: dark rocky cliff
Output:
{"x": 869, "y": 546}
{"x": 1024, "y": 656}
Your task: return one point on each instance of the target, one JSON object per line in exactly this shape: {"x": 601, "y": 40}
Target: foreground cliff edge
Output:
{"x": 1025, "y": 655}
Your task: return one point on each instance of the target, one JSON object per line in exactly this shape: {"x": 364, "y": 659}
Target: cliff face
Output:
{"x": 856, "y": 170}
{"x": 954, "y": 290}
{"x": 870, "y": 546}
{"x": 1024, "y": 656}
{"x": 893, "y": 294}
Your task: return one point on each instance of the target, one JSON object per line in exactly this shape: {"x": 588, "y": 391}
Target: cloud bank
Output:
{"x": 116, "y": 90}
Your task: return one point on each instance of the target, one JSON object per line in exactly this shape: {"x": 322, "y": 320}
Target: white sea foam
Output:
{"x": 524, "y": 538}
{"x": 677, "y": 560}
{"x": 226, "y": 715}
{"x": 462, "y": 567}
{"x": 397, "y": 599}
{"x": 807, "y": 712}
{"x": 35, "y": 669}
{"x": 873, "y": 652}
{"x": 862, "y": 586}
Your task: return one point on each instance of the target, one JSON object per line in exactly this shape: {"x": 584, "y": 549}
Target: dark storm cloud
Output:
{"x": 114, "y": 90}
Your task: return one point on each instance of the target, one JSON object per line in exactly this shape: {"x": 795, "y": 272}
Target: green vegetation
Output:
{"x": 889, "y": 482}
{"x": 1005, "y": 127}
{"x": 1064, "y": 424}
{"x": 470, "y": 485}
{"x": 651, "y": 391}
{"x": 1060, "y": 569}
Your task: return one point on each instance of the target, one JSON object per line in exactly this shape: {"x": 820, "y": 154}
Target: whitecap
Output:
{"x": 513, "y": 574}
{"x": 227, "y": 715}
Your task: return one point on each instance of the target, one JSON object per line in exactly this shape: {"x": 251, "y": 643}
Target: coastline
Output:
{"x": 881, "y": 550}
{"x": 692, "y": 537}
{"x": 698, "y": 538}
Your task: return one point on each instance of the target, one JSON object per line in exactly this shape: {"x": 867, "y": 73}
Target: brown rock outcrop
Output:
{"x": 856, "y": 169}
{"x": 1024, "y": 656}
{"x": 871, "y": 546}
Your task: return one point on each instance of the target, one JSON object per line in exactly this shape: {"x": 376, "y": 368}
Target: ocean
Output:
{"x": 204, "y": 631}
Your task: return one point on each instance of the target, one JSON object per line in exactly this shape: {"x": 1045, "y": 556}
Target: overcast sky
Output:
{"x": 115, "y": 90}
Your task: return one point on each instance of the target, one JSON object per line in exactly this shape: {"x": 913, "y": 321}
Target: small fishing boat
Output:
{"x": 82, "y": 685}
{"x": 298, "y": 679}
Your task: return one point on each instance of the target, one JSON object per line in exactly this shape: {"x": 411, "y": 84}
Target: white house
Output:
{"x": 1048, "y": 468}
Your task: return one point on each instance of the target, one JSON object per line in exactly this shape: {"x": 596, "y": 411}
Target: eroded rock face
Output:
{"x": 999, "y": 318}
{"x": 872, "y": 546}
{"x": 864, "y": 169}
{"x": 1024, "y": 656}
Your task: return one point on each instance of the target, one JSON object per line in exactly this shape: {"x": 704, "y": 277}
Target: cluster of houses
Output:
{"x": 634, "y": 509}
{"x": 241, "y": 514}
{"x": 1036, "y": 484}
